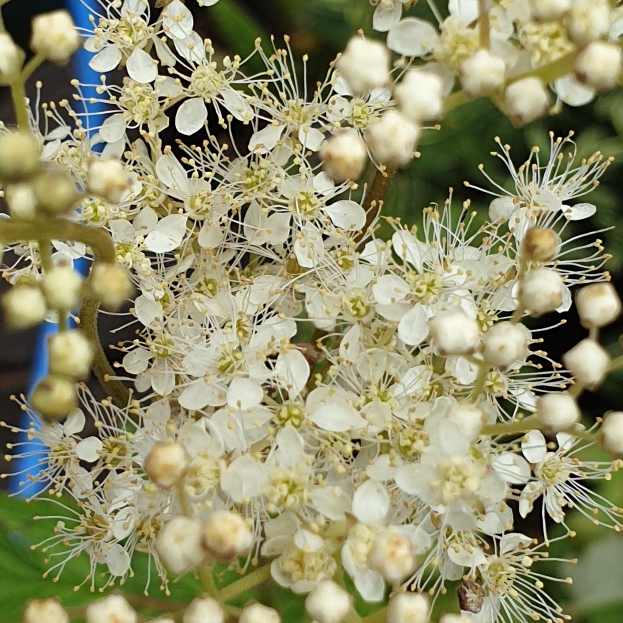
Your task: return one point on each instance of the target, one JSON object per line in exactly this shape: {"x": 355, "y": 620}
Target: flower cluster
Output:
{"x": 307, "y": 396}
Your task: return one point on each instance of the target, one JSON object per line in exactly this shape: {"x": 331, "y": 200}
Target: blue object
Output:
{"x": 35, "y": 451}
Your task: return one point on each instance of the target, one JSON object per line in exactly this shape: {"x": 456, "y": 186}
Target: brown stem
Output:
{"x": 102, "y": 369}
{"x": 375, "y": 196}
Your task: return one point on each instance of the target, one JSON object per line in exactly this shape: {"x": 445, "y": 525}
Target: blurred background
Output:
{"x": 321, "y": 28}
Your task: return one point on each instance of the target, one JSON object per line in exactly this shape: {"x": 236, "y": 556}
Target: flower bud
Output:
{"x": 54, "y": 397}
{"x": 408, "y": 608}
{"x": 111, "y": 609}
{"x": 54, "y": 36}
{"x": 482, "y": 73}
{"x": 24, "y": 306}
{"x": 258, "y": 613}
{"x": 548, "y": 10}
{"x": 526, "y": 100}
{"x": 61, "y": 287}
{"x": 166, "y": 464}
{"x": 111, "y": 284}
{"x": 364, "y": 65}
{"x": 420, "y": 96}
{"x": 11, "y": 59}
{"x": 540, "y": 244}
{"x": 392, "y": 139}
{"x": 204, "y": 611}
{"x": 328, "y": 602}
{"x": 179, "y": 544}
{"x": 344, "y": 156}
{"x": 108, "y": 179}
{"x": 55, "y": 191}
{"x": 21, "y": 201}
{"x": 598, "y": 305}
{"x": 45, "y": 611}
{"x": 587, "y": 21}
{"x": 469, "y": 418}
{"x": 541, "y": 291}
{"x": 226, "y": 535}
{"x": 504, "y": 344}
{"x": 612, "y": 433}
{"x": 557, "y": 412}
{"x": 453, "y": 333}
{"x": 599, "y": 65}
{"x": 70, "y": 354}
{"x": 588, "y": 362}
{"x": 392, "y": 556}
{"x": 19, "y": 156}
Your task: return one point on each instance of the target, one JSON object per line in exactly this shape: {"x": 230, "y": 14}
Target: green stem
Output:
{"x": 481, "y": 379}
{"x": 30, "y": 67}
{"x": 102, "y": 369}
{"x": 483, "y": 24}
{"x": 551, "y": 72}
{"x": 616, "y": 363}
{"x": 455, "y": 100}
{"x": 509, "y": 428}
{"x": 245, "y": 583}
{"x": 99, "y": 241}
{"x": 207, "y": 581}
{"x": 19, "y": 104}
{"x": 380, "y": 616}
{"x": 45, "y": 253}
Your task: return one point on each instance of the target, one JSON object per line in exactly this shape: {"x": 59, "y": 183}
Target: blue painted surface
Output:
{"x": 32, "y": 464}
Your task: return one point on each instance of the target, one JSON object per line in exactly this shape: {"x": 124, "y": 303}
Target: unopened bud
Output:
{"x": 588, "y": 362}
{"x": 420, "y": 96}
{"x": 56, "y": 191}
{"x": 70, "y": 354}
{"x": 45, "y": 611}
{"x": 526, "y": 100}
{"x": 541, "y": 291}
{"x": 204, "y": 611}
{"x": 19, "y": 156}
{"x": 587, "y": 21}
{"x": 328, "y": 602}
{"x": 108, "y": 179}
{"x": 24, "y": 306}
{"x": 408, "y": 608}
{"x": 11, "y": 59}
{"x": 469, "y": 418}
{"x": 111, "y": 609}
{"x": 54, "y": 397}
{"x": 166, "y": 464}
{"x": 453, "y": 333}
{"x": 599, "y": 65}
{"x": 612, "y": 433}
{"x": 111, "y": 284}
{"x": 21, "y": 201}
{"x": 61, "y": 287}
{"x": 557, "y": 412}
{"x": 179, "y": 544}
{"x": 549, "y": 10}
{"x": 392, "y": 556}
{"x": 54, "y": 36}
{"x": 505, "y": 344}
{"x": 392, "y": 139}
{"x": 226, "y": 535}
{"x": 364, "y": 65}
{"x": 482, "y": 73}
{"x": 540, "y": 244}
{"x": 258, "y": 613}
{"x": 344, "y": 156}
{"x": 598, "y": 304}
